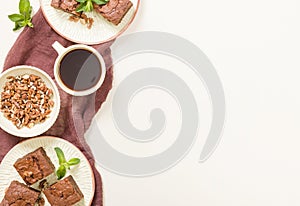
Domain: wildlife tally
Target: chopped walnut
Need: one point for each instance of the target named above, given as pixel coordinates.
(26, 100)
(83, 19)
(74, 18)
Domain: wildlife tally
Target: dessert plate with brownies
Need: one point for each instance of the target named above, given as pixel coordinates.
(29, 175)
(90, 21)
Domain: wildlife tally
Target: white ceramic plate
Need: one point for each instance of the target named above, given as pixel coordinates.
(82, 173)
(101, 31)
(37, 129)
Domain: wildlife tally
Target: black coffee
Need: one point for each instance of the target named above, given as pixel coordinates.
(80, 70)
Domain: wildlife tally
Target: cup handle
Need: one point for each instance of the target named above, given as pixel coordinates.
(58, 47)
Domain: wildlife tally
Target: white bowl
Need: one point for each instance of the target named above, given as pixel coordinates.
(39, 128)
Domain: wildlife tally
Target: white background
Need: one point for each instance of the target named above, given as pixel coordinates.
(255, 47)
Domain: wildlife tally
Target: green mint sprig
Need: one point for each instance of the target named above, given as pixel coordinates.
(24, 17)
(87, 5)
(63, 163)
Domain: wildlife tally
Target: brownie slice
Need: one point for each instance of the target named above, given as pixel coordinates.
(34, 166)
(64, 192)
(66, 5)
(20, 194)
(55, 3)
(114, 10)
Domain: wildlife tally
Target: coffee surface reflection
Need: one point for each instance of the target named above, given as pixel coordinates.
(80, 70)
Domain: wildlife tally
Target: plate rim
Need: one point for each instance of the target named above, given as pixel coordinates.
(66, 141)
(93, 43)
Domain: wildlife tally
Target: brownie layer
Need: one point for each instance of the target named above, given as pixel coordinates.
(34, 166)
(64, 192)
(66, 5)
(114, 10)
(19, 194)
(55, 3)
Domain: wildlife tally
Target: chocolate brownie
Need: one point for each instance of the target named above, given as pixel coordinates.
(66, 5)
(114, 10)
(64, 192)
(34, 166)
(55, 3)
(20, 195)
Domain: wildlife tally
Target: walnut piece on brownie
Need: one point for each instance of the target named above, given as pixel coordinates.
(115, 10)
(20, 194)
(64, 192)
(34, 166)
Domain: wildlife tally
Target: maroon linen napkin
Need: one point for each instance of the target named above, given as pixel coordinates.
(33, 47)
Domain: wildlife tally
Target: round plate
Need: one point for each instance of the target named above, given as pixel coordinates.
(83, 173)
(101, 31)
(40, 128)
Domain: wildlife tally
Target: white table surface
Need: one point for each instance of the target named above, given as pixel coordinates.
(254, 46)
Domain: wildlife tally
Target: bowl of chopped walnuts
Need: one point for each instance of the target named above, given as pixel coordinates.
(29, 101)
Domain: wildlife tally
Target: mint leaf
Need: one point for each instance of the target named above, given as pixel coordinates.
(89, 6)
(61, 172)
(100, 2)
(63, 164)
(73, 161)
(30, 24)
(28, 13)
(81, 7)
(24, 18)
(16, 17)
(24, 7)
(67, 166)
(60, 155)
(17, 27)
(21, 23)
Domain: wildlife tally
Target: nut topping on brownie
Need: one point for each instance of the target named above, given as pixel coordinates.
(64, 192)
(20, 194)
(34, 166)
(114, 10)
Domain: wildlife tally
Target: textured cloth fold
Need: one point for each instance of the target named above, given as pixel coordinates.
(34, 47)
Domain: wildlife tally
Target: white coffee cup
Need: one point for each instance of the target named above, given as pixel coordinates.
(62, 52)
